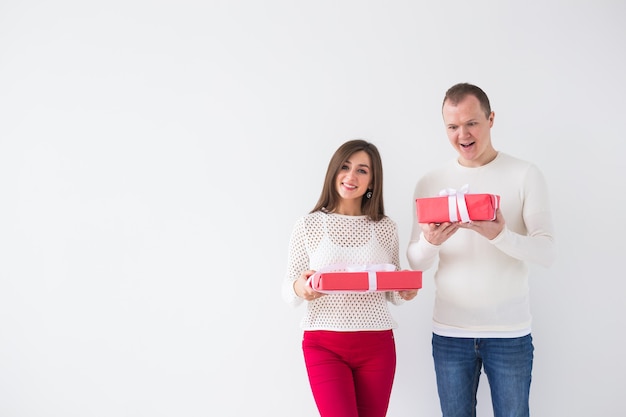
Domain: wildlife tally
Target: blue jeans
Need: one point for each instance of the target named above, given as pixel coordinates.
(507, 363)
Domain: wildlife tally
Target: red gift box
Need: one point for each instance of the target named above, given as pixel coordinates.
(366, 281)
(447, 208)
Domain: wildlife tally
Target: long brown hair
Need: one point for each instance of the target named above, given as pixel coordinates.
(373, 207)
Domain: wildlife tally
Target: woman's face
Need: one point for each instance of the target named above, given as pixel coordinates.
(355, 176)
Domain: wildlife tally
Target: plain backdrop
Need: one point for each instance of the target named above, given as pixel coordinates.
(154, 156)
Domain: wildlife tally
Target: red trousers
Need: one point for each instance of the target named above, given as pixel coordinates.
(351, 373)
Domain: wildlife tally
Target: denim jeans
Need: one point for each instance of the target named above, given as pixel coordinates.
(507, 363)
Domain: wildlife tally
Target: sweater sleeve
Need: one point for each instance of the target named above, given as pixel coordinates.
(538, 246)
(298, 261)
(390, 240)
(420, 253)
(537, 243)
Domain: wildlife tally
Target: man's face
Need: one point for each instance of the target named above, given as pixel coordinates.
(469, 131)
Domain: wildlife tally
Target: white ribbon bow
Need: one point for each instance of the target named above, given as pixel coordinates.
(371, 272)
(456, 198)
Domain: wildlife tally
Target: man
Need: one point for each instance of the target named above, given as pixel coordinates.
(481, 318)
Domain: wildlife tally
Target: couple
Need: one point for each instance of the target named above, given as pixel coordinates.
(481, 318)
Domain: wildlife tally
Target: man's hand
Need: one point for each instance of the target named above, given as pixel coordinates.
(488, 228)
(437, 233)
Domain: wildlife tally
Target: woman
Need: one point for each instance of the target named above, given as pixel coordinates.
(348, 344)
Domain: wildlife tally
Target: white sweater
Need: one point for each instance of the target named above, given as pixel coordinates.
(482, 285)
(321, 239)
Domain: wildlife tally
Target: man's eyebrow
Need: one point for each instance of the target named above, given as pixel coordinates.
(456, 124)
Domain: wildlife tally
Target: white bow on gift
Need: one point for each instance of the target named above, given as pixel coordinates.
(371, 270)
(456, 199)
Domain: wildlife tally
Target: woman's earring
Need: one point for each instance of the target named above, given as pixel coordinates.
(368, 194)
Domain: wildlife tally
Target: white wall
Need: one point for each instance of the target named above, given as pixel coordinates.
(154, 156)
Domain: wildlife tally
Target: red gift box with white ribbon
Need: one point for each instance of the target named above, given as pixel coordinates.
(457, 206)
(370, 278)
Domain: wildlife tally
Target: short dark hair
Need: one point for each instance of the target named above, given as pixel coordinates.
(372, 207)
(458, 92)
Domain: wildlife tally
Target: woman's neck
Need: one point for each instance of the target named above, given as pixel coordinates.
(349, 209)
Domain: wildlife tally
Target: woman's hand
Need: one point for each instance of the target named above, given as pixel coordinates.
(408, 294)
(303, 289)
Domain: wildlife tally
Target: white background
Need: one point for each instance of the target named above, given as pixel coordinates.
(154, 156)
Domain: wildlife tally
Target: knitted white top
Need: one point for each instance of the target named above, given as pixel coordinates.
(482, 285)
(321, 239)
